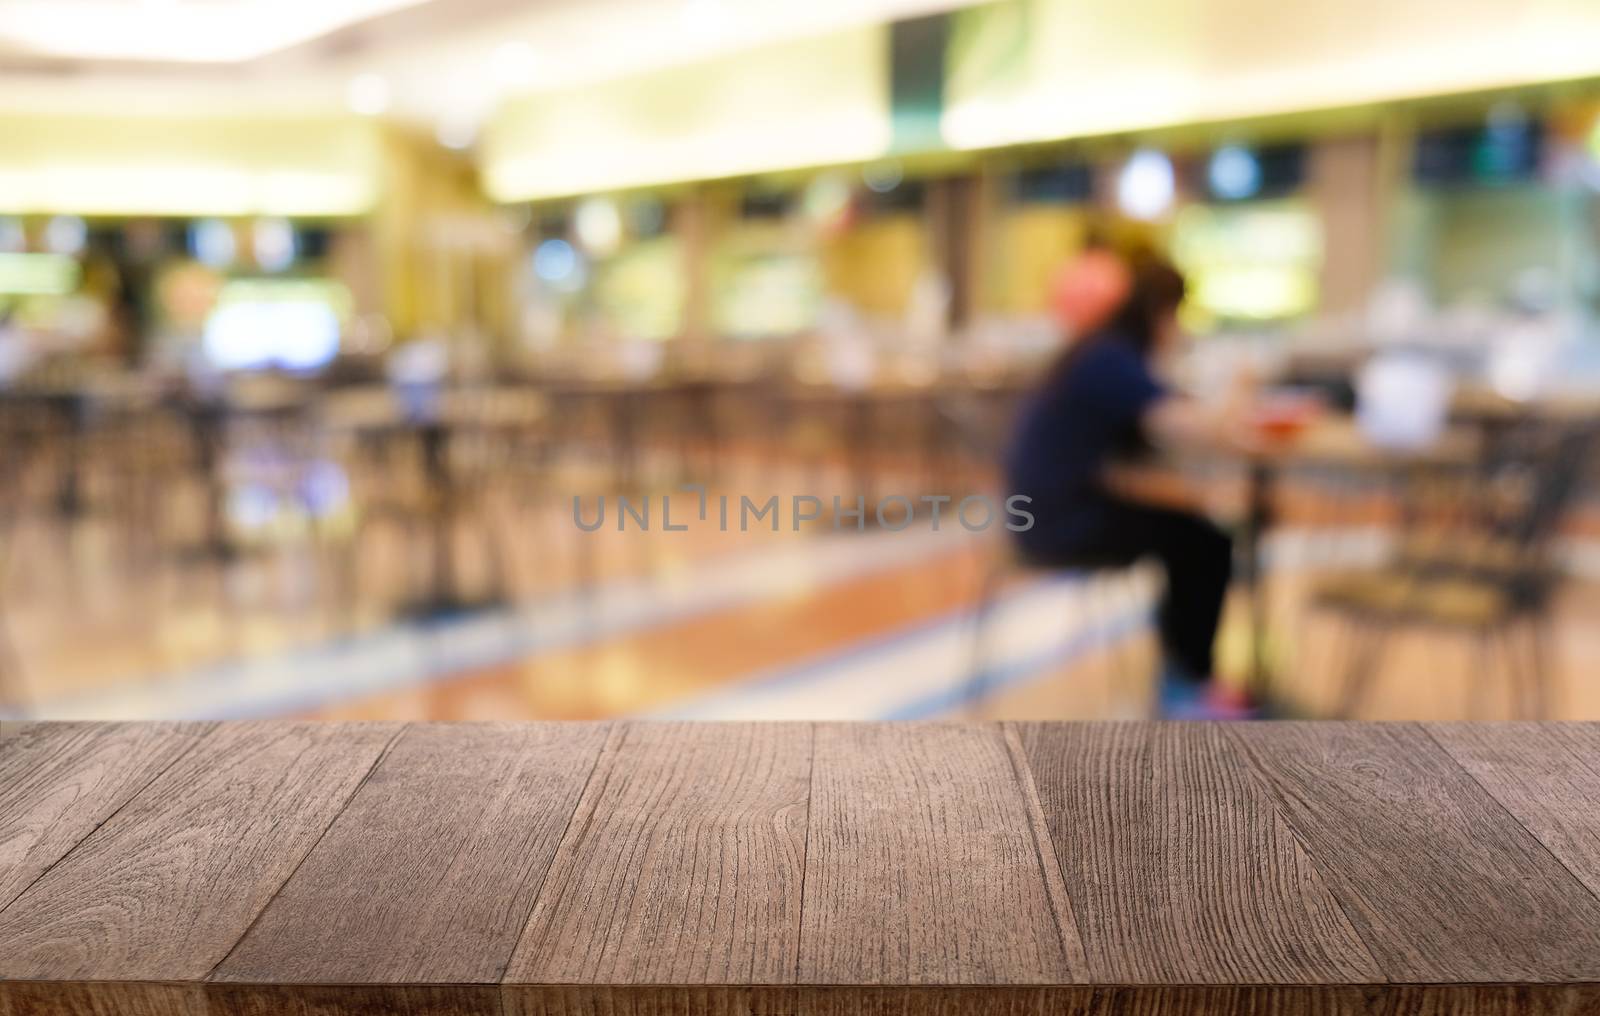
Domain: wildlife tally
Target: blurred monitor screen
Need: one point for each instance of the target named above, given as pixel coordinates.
(1248, 263)
(764, 294)
(290, 324)
(1070, 183)
(766, 204)
(640, 292)
(554, 223)
(1504, 152)
(313, 242)
(904, 196)
(37, 274)
(1244, 173)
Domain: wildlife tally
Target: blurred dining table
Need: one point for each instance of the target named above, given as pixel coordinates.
(1324, 442)
(434, 419)
(69, 411)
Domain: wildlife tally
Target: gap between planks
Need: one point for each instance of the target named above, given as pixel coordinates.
(209, 729)
(1044, 849)
(387, 747)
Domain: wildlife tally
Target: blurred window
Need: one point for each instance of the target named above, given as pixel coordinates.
(1070, 183)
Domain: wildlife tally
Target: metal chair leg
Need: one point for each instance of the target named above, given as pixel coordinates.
(977, 688)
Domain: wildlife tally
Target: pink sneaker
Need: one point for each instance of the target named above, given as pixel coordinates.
(1212, 702)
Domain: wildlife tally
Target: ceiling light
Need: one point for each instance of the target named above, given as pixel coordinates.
(13, 238)
(558, 264)
(1234, 173)
(65, 234)
(1147, 186)
(599, 226)
(212, 242)
(883, 177)
(272, 241)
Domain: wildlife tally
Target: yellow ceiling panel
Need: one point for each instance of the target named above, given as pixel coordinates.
(93, 165)
(801, 103)
(1106, 66)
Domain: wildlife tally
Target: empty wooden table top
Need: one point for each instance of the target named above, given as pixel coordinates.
(641, 868)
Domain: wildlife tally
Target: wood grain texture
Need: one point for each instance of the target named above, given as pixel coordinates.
(43, 998)
(59, 781)
(810, 1000)
(165, 888)
(792, 870)
(1179, 868)
(352, 1000)
(683, 863)
(111, 998)
(34, 998)
(1547, 775)
(1440, 882)
(1338, 1000)
(1059, 1000)
(922, 866)
(430, 873)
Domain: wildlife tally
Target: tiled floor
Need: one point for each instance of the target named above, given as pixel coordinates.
(839, 625)
(107, 621)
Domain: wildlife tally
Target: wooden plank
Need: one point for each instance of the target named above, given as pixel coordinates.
(1179, 868)
(59, 781)
(429, 875)
(165, 888)
(1440, 882)
(1061, 1000)
(923, 866)
(105, 998)
(351, 1000)
(1548, 777)
(1341, 1000)
(893, 870)
(791, 1000)
(683, 863)
(194, 998)
(30, 998)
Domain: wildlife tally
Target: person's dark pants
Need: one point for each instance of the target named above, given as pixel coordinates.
(1196, 556)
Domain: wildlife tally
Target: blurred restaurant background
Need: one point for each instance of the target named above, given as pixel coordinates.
(316, 320)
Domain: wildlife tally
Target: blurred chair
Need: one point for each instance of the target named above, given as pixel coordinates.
(1485, 572)
(979, 432)
(1103, 585)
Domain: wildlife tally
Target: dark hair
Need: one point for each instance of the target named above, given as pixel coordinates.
(1156, 290)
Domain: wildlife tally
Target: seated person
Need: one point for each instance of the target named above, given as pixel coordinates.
(1100, 407)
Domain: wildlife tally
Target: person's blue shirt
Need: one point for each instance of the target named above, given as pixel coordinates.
(1085, 415)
